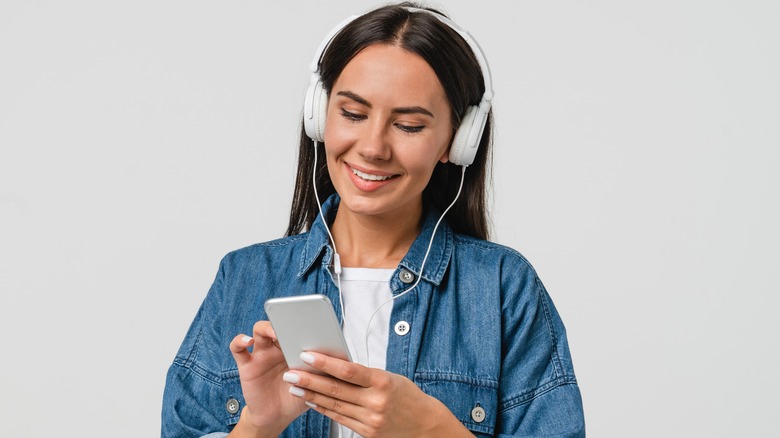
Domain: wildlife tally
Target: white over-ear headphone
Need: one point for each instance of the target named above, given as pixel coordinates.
(466, 140)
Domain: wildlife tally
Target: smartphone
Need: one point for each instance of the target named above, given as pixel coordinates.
(306, 323)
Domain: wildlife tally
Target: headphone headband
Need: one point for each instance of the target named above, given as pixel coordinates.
(487, 77)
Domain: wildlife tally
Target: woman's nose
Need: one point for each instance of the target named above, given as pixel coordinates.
(374, 143)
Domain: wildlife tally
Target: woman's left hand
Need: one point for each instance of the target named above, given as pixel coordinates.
(370, 401)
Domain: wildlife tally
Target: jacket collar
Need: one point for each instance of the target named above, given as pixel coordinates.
(318, 244)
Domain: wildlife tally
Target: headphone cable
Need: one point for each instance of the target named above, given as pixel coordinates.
(336, 257)
(422, 266)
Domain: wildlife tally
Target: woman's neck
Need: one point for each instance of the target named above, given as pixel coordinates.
(374, 241)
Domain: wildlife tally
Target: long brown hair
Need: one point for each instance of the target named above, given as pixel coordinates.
(459, 73)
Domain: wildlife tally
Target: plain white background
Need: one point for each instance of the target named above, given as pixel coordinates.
(636, 166)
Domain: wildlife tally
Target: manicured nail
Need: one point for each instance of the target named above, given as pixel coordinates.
(308, 358)
(310, 404)
(298, 392)
(246, 339)
(291, 377)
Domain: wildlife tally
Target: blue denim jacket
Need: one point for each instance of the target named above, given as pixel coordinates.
(483, 334)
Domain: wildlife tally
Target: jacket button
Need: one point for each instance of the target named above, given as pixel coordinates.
(232, 406)
(478, 414)
(401, 328)
(406, 276)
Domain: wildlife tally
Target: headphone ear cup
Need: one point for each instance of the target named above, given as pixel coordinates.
(461, 153)
(315, 111)
(320, 112)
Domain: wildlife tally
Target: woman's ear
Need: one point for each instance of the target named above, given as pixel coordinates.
(446, 156)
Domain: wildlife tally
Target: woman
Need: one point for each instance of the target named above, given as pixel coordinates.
(452, 335)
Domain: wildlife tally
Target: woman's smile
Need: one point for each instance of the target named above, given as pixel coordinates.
(369, 180)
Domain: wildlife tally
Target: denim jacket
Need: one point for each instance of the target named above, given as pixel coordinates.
(484, 337)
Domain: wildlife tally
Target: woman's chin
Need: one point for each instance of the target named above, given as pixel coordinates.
(374, 206)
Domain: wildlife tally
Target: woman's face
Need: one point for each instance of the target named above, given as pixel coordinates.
(387, 126)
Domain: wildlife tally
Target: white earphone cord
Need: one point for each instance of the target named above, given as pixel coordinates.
(337, 259)
(422, 266)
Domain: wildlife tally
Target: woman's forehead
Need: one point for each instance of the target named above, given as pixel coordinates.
(385, 71)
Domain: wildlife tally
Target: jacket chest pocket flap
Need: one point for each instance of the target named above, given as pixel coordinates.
(473, 401)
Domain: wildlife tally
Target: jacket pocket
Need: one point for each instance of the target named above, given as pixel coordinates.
(473, 401)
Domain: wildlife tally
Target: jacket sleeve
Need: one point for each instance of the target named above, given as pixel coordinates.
(555, 413)
(193, 400)
(539, 392)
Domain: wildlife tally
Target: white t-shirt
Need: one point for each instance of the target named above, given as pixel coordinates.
(364, 290)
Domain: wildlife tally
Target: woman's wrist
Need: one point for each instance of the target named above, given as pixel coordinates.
(246, 428)
(448, 425)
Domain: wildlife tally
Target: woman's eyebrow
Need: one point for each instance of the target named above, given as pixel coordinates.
(403, 110)
(413, 110)
(355, 97)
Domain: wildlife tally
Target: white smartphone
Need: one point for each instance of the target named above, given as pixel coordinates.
(306, 323)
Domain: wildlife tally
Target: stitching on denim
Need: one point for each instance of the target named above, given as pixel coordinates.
(485, 244)
(491, 246)
(205, 373)
(557, 367)
(436, 272)
(414, 301)
(455, 377)
(192, 354)
(307, 261)
(281, 242)
(199, 371)
(284, 241)
(423, 378)
(230, 373)
(512, 402)
(406, 340)
(443, 261)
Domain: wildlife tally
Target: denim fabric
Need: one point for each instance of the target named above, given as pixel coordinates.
(483, 333)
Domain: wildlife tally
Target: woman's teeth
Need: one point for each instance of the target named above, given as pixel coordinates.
(369, 177)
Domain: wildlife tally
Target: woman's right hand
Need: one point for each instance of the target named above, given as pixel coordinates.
(269, 406)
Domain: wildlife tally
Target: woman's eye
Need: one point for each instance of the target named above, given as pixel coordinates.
(352, 116)
(410, 129)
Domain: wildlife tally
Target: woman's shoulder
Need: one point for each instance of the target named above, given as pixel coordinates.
(280, 250)
(275, 243)
(490, 252)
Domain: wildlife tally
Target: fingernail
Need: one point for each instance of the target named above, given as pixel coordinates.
(310, 404)
(298, 392)
(246, 339)
(308, 358)
(291, 377)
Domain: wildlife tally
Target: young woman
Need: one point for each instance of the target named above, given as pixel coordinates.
(451, 335)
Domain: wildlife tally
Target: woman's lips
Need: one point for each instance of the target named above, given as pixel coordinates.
(368, 181)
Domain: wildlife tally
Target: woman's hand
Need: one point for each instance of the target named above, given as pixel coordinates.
(269, 406)
(371, 401)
